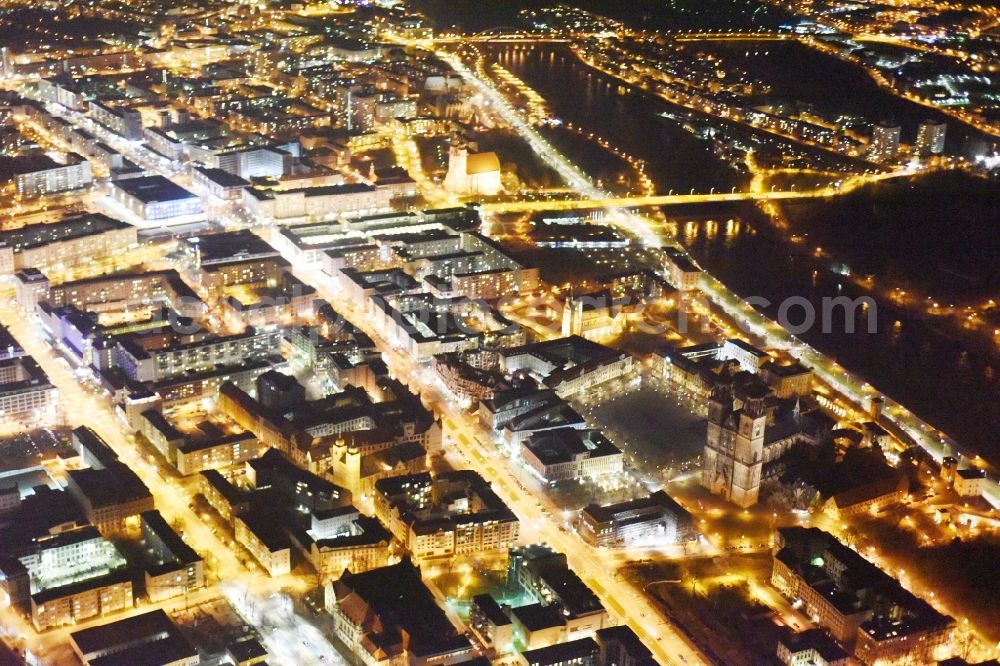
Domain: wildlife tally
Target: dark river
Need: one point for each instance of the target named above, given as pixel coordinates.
(943, 378)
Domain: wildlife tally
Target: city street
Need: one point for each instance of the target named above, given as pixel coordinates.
(85, 406)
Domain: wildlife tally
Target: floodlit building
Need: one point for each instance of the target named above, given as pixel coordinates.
(425, 326)
(787, 381)
(593, 315)
(39, 175)
(569, 454)
(221, 495)
(156, 355)
(110, 494)
(683, 272)
(27, 397)
(545, 577)
(265, 539)
(197, 454)
(30, 287)
(868, 498)
(970, 482)
(814, 647)
(154, 198)
(749, 357)
(347, 434)
(341, 539)
(569, 366)
(125, 122)
(741, 442)
(178, 569)
(56, 560)
(474, 174)
(865, 610)
(64, 244)
(219, 183)
(491, 622)
(123, 290)
(76, 602)
(316, 202)
(655, 519)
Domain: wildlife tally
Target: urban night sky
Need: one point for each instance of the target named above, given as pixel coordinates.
(524, 333)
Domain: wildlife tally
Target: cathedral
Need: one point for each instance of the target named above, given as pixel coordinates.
(476, 174)
(745, 436)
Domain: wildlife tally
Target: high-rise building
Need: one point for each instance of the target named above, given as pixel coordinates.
(885, 142)
(930, 138)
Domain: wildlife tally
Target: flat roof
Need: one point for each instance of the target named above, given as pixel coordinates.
(150, 639)
(536, 617)
(13, 166)
(153, 189)
(52, 593)
(491, 609)
(36, 235)
(245, 650)
(116, 484)
(114, 634)
(172, 649)
(222, 177)
(562, 653)
(267, 529)
(565, 444)
(155, 522)
(232, 245)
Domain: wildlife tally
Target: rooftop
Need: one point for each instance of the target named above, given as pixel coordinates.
(232, 245)
(577, 651)
(566, 444)
(153, 189)
(222, 177)
(36, 235)
(536, 617)
(150, 639)
(394, 599)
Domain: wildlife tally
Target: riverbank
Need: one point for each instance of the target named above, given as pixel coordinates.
(912, 357)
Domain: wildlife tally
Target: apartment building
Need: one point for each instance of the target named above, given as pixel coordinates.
(39, 175)
(64, 244)
(27, 397)
(179, 570)
(451, 514)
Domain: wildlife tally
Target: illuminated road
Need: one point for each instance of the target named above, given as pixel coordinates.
(652, 200)
(541, 38)
(84, 406)
(571, 174)
(829, 371)
(849, 184)
(535, 511)
(773, 335)
(261, 600)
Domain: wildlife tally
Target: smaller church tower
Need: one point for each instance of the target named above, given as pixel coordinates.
(572, 317)
(748, 453)
(716, 471)
(456, 180)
